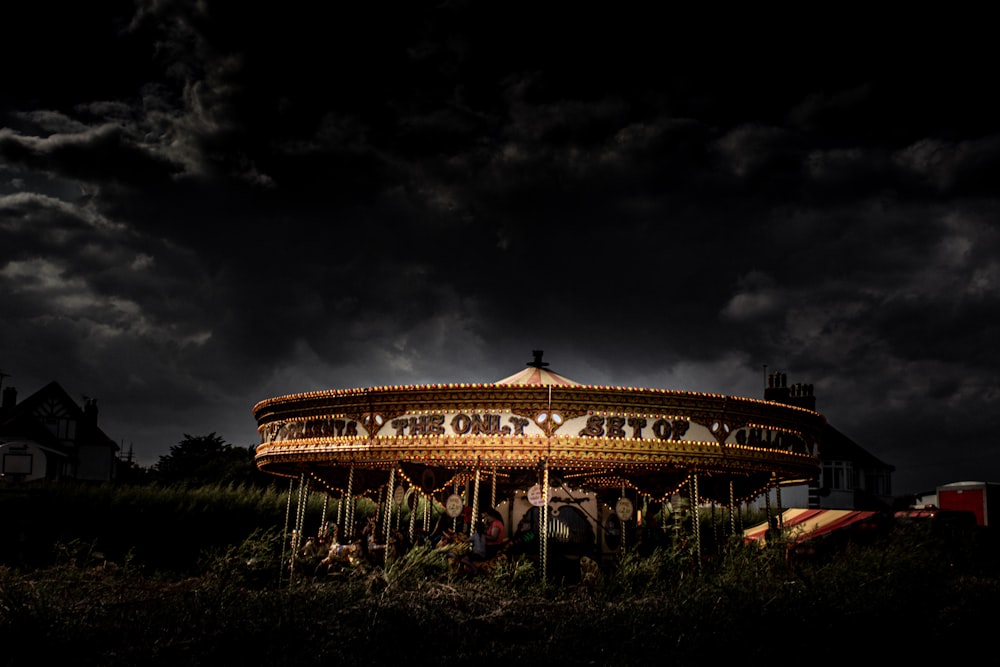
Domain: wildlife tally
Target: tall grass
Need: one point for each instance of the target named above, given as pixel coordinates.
(163, 529)
(897, 595)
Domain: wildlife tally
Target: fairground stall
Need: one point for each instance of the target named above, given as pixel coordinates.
(592, 457)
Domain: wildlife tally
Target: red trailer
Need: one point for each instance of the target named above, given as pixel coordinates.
(980, 498)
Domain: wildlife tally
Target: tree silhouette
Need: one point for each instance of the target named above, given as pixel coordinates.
(207, 459)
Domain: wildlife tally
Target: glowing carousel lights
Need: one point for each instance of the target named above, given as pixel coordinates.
(431, 437)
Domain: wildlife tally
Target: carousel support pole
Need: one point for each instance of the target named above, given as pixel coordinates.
(285, 538)
(352, 511)
(388, 512)
(413, 512)
(380, 511)
(715, 528)
(621, 533)
(543, 543)
(767, 503)
(475, 503)
(428, 500)
(732, 508)
(322, 518)
(300, 510)
(493, 489)
(454, 520)
(349, 509)
(306, 489)
(297, 532)
(695, 520)
(777, 495)
(399, 508)
(678, 521)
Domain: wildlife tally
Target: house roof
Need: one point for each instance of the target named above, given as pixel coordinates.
(21, 420)
(837, 446)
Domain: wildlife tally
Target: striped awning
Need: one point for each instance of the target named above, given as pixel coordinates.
(537, 376)
(806, 524)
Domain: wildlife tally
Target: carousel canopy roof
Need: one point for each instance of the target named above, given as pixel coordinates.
(806, 524)
(537, 374)
(599, 437)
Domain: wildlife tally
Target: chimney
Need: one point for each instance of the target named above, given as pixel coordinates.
(798, 394)
(807, 399)
(90, 411)
(777, 389)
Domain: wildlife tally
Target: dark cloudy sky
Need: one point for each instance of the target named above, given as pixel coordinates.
(205, 204)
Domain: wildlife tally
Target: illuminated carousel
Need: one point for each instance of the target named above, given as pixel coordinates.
(591, 455)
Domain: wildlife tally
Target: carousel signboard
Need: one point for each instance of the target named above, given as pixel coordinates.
(503, 425)
(492, 424)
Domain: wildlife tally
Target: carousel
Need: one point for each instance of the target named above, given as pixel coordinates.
(574, 463)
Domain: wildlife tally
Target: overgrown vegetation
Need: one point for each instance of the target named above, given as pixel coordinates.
(106, 594)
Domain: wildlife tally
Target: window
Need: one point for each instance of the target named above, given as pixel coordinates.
(57, 419)
(879, 482)
(838, 475)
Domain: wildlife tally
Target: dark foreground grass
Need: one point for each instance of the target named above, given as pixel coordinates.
(902, 597)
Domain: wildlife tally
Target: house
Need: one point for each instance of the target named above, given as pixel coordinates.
(851, 478)
(48, 436)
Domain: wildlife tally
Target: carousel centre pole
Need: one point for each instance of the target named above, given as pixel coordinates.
(543, 543)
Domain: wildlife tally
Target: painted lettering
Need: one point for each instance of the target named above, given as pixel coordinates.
(519, 424)
(485, 425)
(460, 424)
(615, 427)
(594, 427)
(662, 429)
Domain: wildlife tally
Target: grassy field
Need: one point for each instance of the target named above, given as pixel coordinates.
(903, 594)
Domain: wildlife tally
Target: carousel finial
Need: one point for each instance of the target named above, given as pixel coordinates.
(538, 363)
